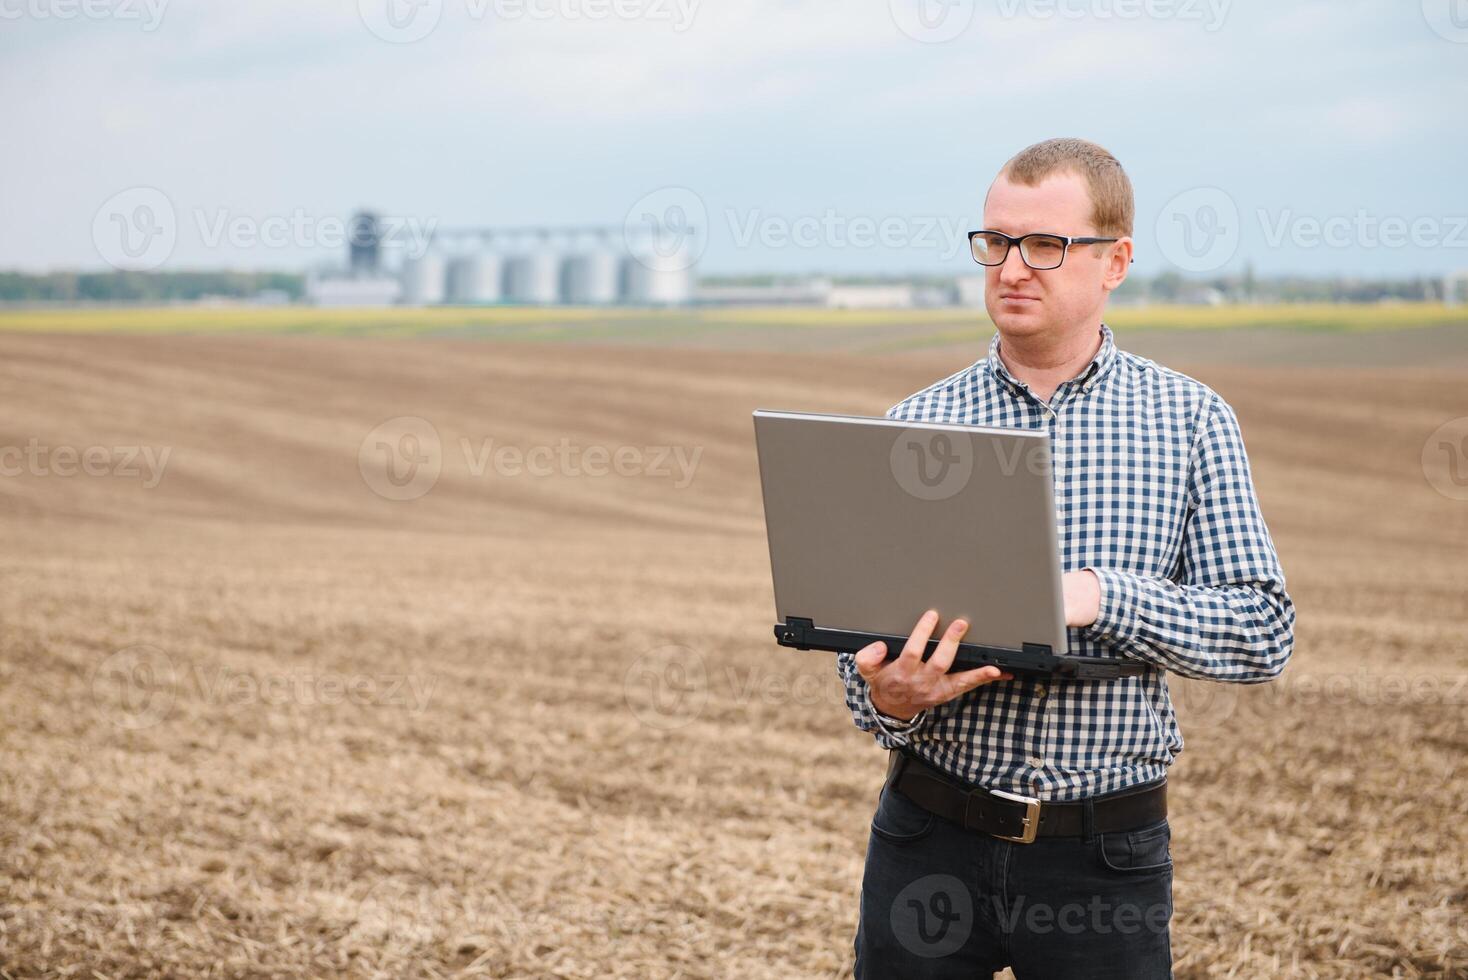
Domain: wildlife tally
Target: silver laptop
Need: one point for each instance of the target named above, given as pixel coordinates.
(873, 521)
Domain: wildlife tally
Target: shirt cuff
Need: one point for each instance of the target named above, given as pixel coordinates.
(1117, 618)
(892, 727)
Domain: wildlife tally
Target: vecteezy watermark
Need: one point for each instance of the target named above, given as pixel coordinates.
(138, 229)
(675, 463)
(1363, 230)
(1198, 230)
(1210, 13)
(1447, 18)
(1207, 705)
(933, 916)
(935, 464)
(671, 686)
(148, 13)
(1445, 459)
(932, 21)
(140, 687)
(945, 234)
(666, 230)
(932, 465)
(666, 687)
(147, 463)
(403, 458)
(135, 229)
(400, 21)
(301, 229)
(135, 686)
(1096, 917)
(394, 909)
(406, 21)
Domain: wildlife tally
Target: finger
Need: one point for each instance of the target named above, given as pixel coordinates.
(942, 657)
(870, 658)
(966, 680)
(912, 652)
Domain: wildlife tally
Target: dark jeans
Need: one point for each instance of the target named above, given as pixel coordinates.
(939, 901)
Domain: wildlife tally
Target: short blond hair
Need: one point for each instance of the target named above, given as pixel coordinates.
(1113, 208)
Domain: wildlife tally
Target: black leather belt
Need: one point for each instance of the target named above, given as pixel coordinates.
(1021, 818)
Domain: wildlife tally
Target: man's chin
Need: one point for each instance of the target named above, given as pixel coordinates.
(1010, 320)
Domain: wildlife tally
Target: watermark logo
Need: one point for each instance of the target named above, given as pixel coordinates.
(674, 463)
(401, 459)
(1363, 230)
(141, 686)
(135, 687)
(148, 12)
(1198, 230)
(301, 229)
(135, 229)
(1445, 459)
(932, 464)
(146, 463)
(666, 230)
(1447, 18)
(1094, 917)
(1203, 705)
(932, 21)
(1210, 13)
(400, 21)
(933, 917)
(944, 234)
(666, 687)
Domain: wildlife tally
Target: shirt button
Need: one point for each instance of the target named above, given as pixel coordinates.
(1036, 761)
(1039, 690)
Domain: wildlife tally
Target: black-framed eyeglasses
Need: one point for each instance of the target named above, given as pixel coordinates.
(1039, 251)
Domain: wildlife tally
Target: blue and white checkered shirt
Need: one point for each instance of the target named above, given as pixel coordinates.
(1153, 493)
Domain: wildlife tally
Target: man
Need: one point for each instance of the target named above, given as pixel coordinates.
(1166, 559)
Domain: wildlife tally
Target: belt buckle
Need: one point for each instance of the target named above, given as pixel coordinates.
(1031, 818)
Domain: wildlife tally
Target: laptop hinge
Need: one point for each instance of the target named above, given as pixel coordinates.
(795, 632)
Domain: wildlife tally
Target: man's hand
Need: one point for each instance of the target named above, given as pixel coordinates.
(907, 685)
(1082, 592)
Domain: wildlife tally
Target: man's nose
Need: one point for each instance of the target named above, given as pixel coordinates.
(1013, 268)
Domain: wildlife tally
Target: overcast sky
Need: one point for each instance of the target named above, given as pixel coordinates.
(839, 135)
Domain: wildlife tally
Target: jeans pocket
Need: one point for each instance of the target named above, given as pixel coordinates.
(899, 820)
(1145, 850)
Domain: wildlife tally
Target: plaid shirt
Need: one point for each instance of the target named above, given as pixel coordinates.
(1153, 493)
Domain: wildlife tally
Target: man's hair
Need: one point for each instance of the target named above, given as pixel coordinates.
(1112, 205)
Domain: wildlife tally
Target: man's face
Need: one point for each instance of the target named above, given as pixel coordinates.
(1023, 301)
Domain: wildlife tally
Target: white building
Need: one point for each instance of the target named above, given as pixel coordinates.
(897, 296)
(347, 290)
(1455, 288)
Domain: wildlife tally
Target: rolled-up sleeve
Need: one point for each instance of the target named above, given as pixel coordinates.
(1225, 615)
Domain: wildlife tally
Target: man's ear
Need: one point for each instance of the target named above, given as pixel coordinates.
(1118, 262)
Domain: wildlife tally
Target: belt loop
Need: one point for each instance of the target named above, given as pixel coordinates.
(1088, 819)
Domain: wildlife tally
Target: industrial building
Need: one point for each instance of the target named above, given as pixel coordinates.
(534, 266)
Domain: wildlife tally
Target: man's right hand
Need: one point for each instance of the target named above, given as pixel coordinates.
(903, 687)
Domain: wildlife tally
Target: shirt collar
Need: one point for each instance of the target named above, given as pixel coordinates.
(1093, 371)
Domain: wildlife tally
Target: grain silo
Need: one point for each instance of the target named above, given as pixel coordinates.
(650, 278)
(423, 280)
(475, 278)
(533, 278)
(590, 277)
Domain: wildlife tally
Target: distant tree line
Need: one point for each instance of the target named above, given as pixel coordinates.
(1173, 287)
(1246, 287)
(145, 287)
(1169, 287)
